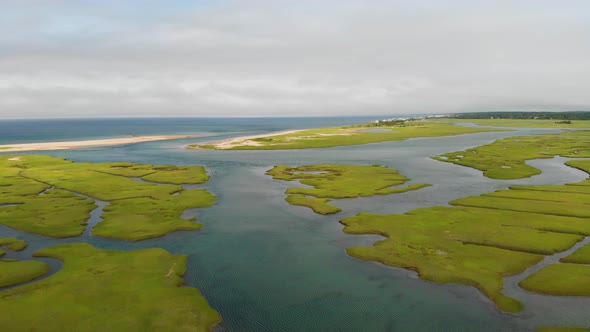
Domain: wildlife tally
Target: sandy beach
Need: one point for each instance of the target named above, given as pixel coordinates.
(67, 145)
(244, 140)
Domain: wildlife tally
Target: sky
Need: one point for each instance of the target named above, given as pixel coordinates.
(216, 58)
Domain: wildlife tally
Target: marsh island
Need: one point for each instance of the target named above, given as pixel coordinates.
(54, 197)
(332, 181)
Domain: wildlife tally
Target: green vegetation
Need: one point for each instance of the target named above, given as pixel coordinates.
(505, 158)
(57, 213)
(14, 272)
(39, 194)
(13, 244)
(481, 239)
(581, 256)
(178, 175)
(159, 173)
(563, 329)
(138, 218)
(342, 136)
(108, 290)
(333, 181)
(318, 205)
(560, 279)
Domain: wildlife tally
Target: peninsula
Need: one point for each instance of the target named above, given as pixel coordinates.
(339, 136)
(68, 145)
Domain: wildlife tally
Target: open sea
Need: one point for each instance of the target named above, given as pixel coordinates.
(268, 266)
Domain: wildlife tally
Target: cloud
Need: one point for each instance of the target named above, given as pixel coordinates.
(285, 58)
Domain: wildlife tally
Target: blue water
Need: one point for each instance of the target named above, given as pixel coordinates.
(268, 266)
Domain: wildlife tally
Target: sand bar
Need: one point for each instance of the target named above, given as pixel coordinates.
(67, 145)
(244, 140)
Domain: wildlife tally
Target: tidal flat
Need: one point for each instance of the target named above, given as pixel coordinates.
(266, 266)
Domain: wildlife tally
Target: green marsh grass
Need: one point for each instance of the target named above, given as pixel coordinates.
(334, 181)
(563, 279)
(479, 240)
(137, 210)
(108, 290)
(13, 244)
(14, 272)
(581, 256)
(505, 158)
(318, 205)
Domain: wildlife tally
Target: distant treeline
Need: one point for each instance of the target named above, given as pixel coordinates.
(525, 115)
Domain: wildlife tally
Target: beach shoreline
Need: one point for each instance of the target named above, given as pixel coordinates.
(243, 140)
(69, 145)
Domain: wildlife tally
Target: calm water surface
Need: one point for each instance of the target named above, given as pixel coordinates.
(268, 266)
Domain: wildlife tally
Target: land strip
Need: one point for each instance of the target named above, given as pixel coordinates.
(338, 136)
(68, 145)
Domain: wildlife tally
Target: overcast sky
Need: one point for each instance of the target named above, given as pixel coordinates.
(106, 58)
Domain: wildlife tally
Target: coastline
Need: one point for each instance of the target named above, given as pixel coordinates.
(244, 140)
(69, 145)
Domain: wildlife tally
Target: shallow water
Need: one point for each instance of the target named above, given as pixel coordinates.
(268, 266)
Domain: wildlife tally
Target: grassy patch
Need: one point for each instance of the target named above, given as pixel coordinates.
(58, 213)
(581, 256)
(318, 205)
(147, 217)
(563, 208)
(560, 279)
(481, 239)
(138, 210)
(505, 158)
(13, 244)
(170, 174)
(333, 181)
(14, 272)
(108, 290)
(344, 136)
(178, 174)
